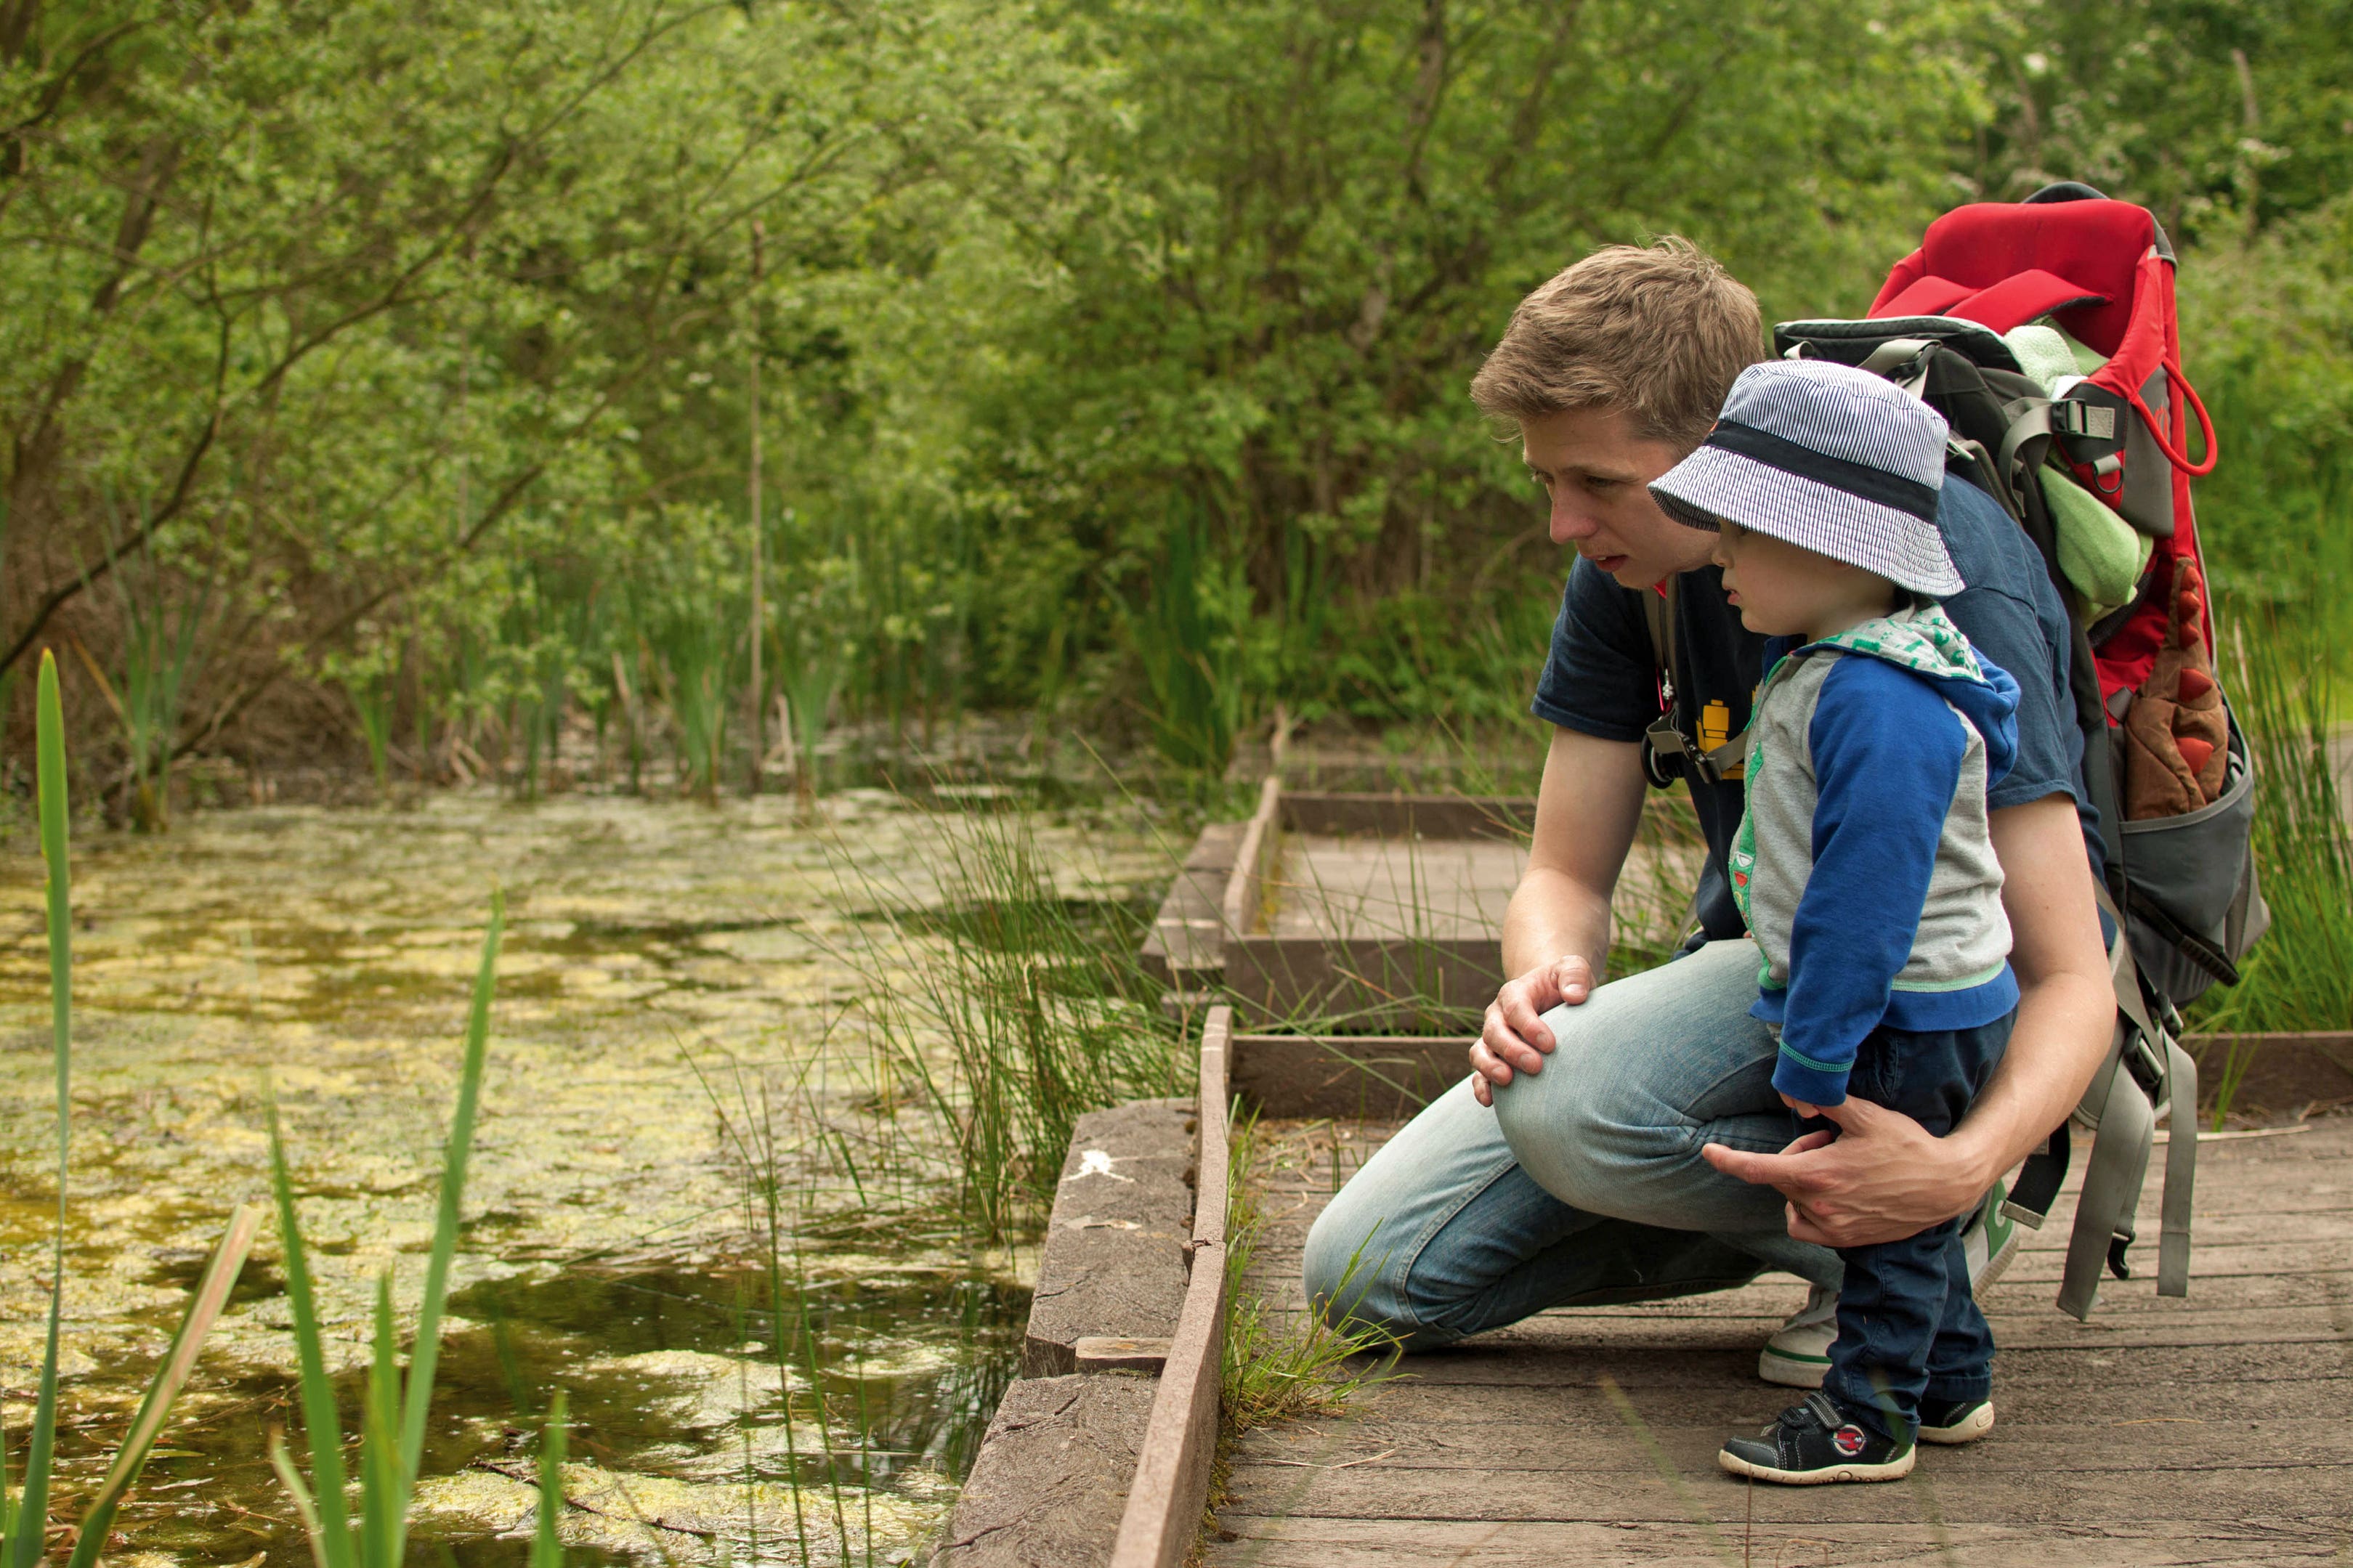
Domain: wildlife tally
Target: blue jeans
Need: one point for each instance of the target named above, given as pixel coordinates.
(1908, 1326)
(1584, 1185)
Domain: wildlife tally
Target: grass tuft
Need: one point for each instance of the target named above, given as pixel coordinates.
(1030, 1015)
(1278, 1365)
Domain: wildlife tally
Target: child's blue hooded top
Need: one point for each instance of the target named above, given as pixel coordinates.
(1864, 863)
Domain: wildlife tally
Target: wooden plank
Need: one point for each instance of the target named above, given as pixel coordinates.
(1403, 890)
(2204, 1430)
(1401, 816)
(1379, 1076)
(2287, 1071)
(1045, 1490)
(1238, 907)
(1385, 1447)
(1963, 1486)
(1171, 1489)
(2045, 1392)
(1185, 947)
(1113, 1259)
(1106, 1353)
(1315, 1543)
(1440, 987)
(2281, 1072)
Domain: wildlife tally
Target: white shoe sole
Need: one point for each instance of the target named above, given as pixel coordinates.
(1792, 1371)
(1998, 1265)
(1967, 1429)
(1893, 1471)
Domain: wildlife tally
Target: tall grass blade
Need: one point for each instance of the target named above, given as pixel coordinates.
(383, 1485)
(426, 1354)
(204, 1309)
(329, 1529)
(30, 1519)
(305, 1508)
(546, 1550)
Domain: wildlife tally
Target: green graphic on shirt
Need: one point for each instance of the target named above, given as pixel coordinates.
(1923, 640)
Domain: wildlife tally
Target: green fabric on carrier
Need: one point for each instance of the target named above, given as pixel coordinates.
(2099, 553)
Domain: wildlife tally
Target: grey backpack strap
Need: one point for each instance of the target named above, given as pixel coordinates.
(1904, 360)
(2181, 1173)
(2145, 1069)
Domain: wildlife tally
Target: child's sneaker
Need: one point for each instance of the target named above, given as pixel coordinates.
(1814, 1444)
(1953, 1421)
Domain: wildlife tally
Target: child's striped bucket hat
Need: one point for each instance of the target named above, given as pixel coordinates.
(1831, 459)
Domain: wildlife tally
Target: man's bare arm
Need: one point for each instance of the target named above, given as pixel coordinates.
(1885, 1178)
(1556, 928)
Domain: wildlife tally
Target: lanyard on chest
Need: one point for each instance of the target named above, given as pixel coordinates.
(1706, 750)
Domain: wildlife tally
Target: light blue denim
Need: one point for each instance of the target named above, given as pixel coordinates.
(1584, 1185)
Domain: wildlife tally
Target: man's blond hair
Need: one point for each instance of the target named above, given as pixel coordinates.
(1660, 330)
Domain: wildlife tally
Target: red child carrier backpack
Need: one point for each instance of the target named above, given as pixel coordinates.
(2044, 331)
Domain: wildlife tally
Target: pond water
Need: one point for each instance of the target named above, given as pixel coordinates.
(675, 1021)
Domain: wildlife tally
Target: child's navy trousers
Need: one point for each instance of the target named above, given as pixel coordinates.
(1907, 1327)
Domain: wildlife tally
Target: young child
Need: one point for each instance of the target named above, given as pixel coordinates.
(1863, 864)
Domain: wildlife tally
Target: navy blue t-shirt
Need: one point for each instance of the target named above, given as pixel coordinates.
(1599, 679)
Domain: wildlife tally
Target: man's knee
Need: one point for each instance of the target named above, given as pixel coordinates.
(1583, 1138)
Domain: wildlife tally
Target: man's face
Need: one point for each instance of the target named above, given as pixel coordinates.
(1597, 471)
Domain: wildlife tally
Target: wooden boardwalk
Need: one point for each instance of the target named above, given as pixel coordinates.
(2213, 1430)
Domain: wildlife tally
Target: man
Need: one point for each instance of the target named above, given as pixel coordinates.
(1632, 1147)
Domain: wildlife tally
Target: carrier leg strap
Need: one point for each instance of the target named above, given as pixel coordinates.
(2038, 1181)
(2181, 1173)
(2111, 1183)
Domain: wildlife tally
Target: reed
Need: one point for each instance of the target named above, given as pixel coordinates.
(159, 661)
(690, 647)
(24, 1514)
(371, 697)
(749, 1123)
(1186, 637)
(1034, 1011)
(809, 683)
(394, 1406)
(2300, 976)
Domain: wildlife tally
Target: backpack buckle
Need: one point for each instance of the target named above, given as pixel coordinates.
(2143, 1060)
(2083, 419)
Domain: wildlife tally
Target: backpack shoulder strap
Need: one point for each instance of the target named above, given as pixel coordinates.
(1659, 613)
(1666, 736)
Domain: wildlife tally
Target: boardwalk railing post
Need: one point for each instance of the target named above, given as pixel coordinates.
(1171, 1487)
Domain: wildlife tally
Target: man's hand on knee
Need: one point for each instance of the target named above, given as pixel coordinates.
(1513, 1039)
(1880, 1177)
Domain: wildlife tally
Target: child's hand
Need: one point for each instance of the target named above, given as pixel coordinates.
(1800, 1107)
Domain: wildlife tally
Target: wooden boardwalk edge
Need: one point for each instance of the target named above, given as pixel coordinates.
(1171, 1489)
(1387, 1077)
(1238, 908)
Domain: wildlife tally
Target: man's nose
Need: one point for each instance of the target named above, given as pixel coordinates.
(1569, 524)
